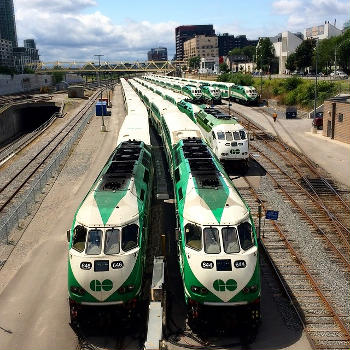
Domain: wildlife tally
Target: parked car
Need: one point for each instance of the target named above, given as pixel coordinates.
(318, 120)
(291, 112)
(339, 74)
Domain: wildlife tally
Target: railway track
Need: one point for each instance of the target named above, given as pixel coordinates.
(312, 258)
(19, 181)
(326, 327)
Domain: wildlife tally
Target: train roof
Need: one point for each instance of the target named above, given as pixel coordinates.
(175, 95)
(114, 199)
(210, 198)
(178, 124)
(135, 125)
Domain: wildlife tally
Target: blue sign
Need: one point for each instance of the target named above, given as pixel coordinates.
(271, 214)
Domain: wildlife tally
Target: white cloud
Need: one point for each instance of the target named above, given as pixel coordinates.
(286, 7)
(311, 12)
(63, 32)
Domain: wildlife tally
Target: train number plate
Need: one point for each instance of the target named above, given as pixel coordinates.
(117, 264)
(207, 264)
(240, 264)
(85, 265)
(101, 265)
(224, 265)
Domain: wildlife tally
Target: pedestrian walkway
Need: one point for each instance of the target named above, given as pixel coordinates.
(332, 155)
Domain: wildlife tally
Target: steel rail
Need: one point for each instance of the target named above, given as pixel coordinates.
(306, 271)
(301, 158)
(82, 111)
(333, 219)
(319, 229)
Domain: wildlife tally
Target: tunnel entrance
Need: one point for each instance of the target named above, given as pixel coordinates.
(19, 120)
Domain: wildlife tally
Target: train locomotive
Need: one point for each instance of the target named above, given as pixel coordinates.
(217, 243)
(108, 236)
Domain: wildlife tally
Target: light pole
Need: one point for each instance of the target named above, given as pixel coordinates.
(103, 127)
(315, 100)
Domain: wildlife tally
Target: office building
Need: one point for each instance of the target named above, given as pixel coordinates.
(227, 42)
(158, 54)
(6, 53)
(324, 31)
(7, 22)
(201, 45)
(183, 33)
(285, 44)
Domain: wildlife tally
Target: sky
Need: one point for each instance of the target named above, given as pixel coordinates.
(125, 30)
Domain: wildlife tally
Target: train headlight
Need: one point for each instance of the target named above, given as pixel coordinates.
(245, 290)
(130, 287)
(199, 290)
(253, 288)
(126, 289)
(77, 290)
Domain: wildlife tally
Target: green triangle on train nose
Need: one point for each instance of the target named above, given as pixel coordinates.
(215, 198)
(107, 201)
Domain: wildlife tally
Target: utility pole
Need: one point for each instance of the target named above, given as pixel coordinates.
(315, 100)
(335, 62)
(103, 127)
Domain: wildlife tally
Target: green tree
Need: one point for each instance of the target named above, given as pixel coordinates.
(57, 76)
(343, 50)
(304, 54)
(236, 52)
(193, 62)
(223, 67)
(290, 62)
(249, 51)
(265, 54)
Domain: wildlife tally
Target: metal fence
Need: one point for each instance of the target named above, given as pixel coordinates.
(23, 209)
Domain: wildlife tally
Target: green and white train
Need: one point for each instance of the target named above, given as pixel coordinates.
(217, 243)
(107, 240)
(238, 93)
(227, 138)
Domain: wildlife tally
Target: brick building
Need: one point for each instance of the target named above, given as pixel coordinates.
(336, 118)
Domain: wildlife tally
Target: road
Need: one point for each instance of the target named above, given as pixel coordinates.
(33, 281)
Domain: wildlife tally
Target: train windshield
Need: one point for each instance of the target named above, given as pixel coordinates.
(112, 241)
(79, 238)
(211, 240)
(242, 134)
(245, 235)
(221, 135)
(230, 240)
(193, 235)
(130, 237)
(94, 242)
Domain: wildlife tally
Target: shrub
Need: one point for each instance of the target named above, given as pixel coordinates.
(290, 84)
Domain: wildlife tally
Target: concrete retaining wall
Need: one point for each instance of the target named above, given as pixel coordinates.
(24, 117)
(23, 83)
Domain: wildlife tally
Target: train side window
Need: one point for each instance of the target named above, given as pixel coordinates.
(130, 237)
(211, 240)
(112, 241)
(180, 193)
(79, 238)
(94, 242)
(242, 134)
(230, 240)
(142, 194)
(245, 235)
(177, 174)
(193, 236)
(213, 133)
(221, 135)
(146, 176)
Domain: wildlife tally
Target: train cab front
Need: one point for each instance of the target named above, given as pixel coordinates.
(221, 273)
(104, 269)
(230, 144)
